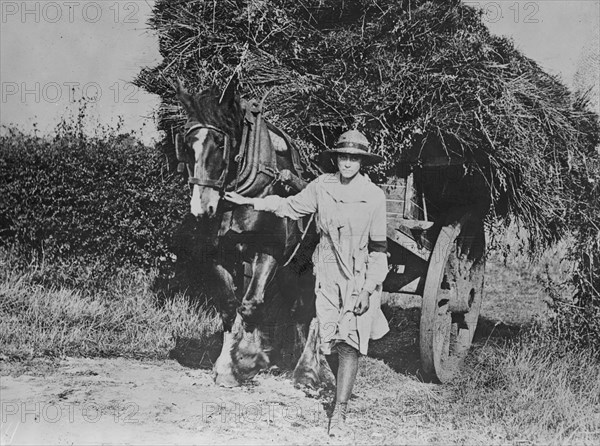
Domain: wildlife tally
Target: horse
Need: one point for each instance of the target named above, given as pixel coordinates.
(258, 273)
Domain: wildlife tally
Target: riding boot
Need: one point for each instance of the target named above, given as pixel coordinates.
(346, 376)
(334, 363)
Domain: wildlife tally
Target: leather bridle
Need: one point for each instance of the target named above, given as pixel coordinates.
(200, 175)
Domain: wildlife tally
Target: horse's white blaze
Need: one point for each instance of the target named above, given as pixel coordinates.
(197, 145)
(195, 206)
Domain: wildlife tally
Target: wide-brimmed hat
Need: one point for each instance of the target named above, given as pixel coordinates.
(353, 142)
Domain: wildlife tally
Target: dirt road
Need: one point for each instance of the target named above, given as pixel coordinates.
(121, 401)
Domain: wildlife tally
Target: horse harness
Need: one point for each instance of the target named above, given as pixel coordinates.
(249, 163)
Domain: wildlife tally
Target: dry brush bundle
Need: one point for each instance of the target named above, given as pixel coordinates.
(407, 73)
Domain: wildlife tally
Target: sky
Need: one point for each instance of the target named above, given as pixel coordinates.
(53, 53)
(562, 36)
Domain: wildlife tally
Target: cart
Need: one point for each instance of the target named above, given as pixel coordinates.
(436, 250)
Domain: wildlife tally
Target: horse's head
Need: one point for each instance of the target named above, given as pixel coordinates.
(211, 139)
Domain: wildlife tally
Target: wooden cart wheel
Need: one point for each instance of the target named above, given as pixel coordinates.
(452, 297)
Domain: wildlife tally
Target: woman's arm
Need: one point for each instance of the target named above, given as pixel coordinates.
(294, 207)
(377, 265)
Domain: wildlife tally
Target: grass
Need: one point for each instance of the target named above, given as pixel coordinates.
(532, 390)
(529, 284)
(526, 388)
(52, 320)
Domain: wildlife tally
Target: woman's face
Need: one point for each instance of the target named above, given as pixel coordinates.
(348, 165)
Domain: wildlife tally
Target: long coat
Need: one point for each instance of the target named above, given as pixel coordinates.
(351, 255)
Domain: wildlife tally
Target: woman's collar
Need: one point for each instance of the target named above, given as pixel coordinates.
(353, 192)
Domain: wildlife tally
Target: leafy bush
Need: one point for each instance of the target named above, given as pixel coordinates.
(105, 200)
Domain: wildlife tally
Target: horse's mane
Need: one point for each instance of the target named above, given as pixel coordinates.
(227, 116)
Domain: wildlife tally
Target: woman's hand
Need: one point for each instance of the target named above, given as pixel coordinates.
(236, 198)
(362, 303)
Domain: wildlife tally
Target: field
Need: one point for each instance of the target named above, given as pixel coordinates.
(87, 367)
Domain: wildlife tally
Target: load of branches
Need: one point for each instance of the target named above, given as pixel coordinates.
(411, 74)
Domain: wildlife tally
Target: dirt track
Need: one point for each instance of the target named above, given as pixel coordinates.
(83, 401)
(121, 401)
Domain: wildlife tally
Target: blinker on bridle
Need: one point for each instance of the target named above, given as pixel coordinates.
(200, 176)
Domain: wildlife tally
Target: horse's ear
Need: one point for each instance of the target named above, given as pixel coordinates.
(228, 96)
(184, 97)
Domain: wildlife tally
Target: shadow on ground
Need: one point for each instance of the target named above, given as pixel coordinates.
(493, 330)
(195, 353)
(399, 349)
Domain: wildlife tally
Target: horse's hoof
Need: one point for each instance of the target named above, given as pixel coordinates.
(305, 375)
(226, 380)
(309, 380)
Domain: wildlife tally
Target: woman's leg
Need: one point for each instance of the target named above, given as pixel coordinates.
(346, 376)
(334, 363)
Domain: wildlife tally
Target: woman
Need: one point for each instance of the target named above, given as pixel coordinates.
(350, 260)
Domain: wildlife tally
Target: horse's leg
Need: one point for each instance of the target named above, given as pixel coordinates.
(249, 352)
(264, 266)
(223, 369)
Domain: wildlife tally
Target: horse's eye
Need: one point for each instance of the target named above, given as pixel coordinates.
(220, 139)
